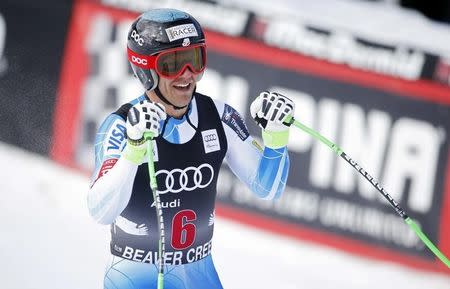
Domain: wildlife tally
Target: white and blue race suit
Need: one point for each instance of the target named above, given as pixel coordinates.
(188, 155)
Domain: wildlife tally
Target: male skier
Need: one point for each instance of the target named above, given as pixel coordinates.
(193, 134)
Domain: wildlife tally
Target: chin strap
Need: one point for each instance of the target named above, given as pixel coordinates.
(161, 96)
(186, 113)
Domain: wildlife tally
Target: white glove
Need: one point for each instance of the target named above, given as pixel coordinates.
(270, 110)
(144, 117)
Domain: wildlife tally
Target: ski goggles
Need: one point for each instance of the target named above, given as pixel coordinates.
(171, 63)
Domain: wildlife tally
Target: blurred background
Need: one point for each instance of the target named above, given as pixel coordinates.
(373, 76)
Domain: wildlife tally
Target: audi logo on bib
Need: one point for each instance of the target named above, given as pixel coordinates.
(210, 137)
(187, 179)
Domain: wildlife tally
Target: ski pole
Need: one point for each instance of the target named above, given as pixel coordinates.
(154, 186)
(338, 151)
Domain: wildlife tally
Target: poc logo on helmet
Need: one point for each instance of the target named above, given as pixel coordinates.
(139, 40)
(138, 60)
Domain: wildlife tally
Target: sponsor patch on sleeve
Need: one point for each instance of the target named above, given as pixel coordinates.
(234, 120)
(106, 166)
(115, 139)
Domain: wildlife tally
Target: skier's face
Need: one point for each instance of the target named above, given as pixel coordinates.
(178, 90)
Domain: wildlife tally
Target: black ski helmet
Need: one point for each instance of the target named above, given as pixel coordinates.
(157, 30)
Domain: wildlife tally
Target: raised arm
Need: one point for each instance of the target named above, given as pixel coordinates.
(263, 170)
(119, 149)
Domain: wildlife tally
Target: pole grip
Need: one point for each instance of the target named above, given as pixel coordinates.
(151, 165)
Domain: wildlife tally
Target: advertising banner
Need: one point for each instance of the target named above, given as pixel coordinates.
(354, 49)
(342, 47)
(403, 142)
(398, 130)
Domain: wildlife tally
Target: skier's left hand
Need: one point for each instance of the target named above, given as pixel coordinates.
(270, 110)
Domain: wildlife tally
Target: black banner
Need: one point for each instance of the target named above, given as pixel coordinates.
(32, 35)
(343, 47)
(400, 141)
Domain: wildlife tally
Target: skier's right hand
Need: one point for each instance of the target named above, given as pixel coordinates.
(142, 118)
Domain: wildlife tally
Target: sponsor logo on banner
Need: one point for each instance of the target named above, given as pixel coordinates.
(340, 47)
(181, 31)
(211, 141)
(233, 119)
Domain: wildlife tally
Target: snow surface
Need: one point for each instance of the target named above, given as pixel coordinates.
(49, 241)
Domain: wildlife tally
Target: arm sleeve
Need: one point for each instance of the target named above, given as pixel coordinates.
(263, 170)
(113, 177)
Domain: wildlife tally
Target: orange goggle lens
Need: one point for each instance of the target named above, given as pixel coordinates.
(173, 63)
